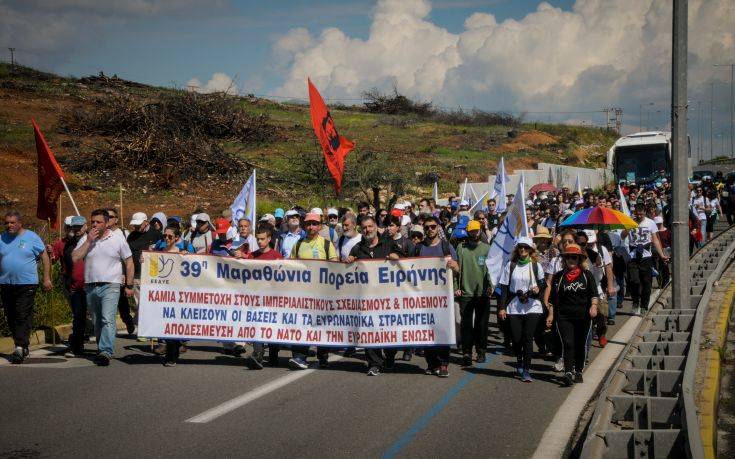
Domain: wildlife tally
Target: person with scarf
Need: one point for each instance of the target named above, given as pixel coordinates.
(522, 284)
(574, 301)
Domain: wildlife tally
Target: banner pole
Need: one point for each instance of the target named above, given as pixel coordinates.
(71, 198)
(120, 214)
(49, 294)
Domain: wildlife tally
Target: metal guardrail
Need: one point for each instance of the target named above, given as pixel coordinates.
(641, 410)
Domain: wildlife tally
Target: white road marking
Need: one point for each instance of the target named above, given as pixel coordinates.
(560, 429)
(253, 395)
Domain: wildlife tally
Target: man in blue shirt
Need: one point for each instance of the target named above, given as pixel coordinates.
(20, 250)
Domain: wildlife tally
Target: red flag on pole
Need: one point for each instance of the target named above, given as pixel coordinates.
(50, 180)
(334, 146)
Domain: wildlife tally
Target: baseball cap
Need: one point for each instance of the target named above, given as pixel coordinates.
(67, 220)
(332, 211)
(525, 241)
(292, 213)
(77, 220)
(138, 218)
(396, 212)
(417, 229)
(317, 210)
(473, 225)
(313, 217)
(459, 233)
(278, 213)
(267, 218)
(464, 202)
(203, 217)
(222, 226)
(400, 206)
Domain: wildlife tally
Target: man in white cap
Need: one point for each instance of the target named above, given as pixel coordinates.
(332, 229)
(464, 205)
(288, 240)
(204, 235)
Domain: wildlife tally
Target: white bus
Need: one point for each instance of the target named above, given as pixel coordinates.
(640, 156)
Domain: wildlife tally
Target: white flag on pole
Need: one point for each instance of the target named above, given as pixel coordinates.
(514, 226)
(244, 204)
(623, 203)
(578, 185)
(499, 192)
(436, 191)
(464, 190)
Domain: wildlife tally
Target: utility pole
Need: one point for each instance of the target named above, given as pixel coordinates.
(732, 107)
(680, 190)
(618, 120)
(12, 57)
(699, 130)
(711, 115)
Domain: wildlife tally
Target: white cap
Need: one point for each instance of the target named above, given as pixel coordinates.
(317, 210)
(400, 206)
(204, 217)
(291, 213)
(417, 229)
(67, 220)
(406, 220)
(591, 236)
(332, 211)
(138, 218)
(659, 220)
(231, 233)
(267, 218)
(464, 202)
(526, 241)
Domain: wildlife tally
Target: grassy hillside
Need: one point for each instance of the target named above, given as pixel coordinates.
(401, 154)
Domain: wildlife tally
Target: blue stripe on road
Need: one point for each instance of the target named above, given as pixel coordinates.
(424, 420)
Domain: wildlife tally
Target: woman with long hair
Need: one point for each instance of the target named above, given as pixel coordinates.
(574, 301)
(522, 284)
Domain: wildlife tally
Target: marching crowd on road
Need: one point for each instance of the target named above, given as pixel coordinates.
(559, 290)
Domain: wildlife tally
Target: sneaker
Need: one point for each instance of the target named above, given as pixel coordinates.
(70, 354)
(390, 362)
(255, 364)
(568, 379)
(443, 371)
(637, 311)
(559, 365)
(407, 356)
(324, 362)
(297, 364)
(431, 371)
(238, 350)
(526, 376)
(481, 357)
(17, 357)
(611, 321)
(519, 368)
(467, 360)
(602, 341)
(169, 363)
(130, 329)
(373, 371)
(578, 378)
(102, 360)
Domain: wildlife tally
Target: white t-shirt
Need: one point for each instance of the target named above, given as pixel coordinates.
(698, 205)
(715, 204)
(598, 269)
(640, 239)
(102, 263)
(347, 245)
(523, 280)
(554, 266)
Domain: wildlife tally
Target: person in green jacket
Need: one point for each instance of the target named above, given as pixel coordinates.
(473, 294)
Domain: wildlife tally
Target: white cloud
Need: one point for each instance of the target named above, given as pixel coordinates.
(220, 82)
(601, 53)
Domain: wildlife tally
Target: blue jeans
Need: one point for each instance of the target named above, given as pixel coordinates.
(102, 301)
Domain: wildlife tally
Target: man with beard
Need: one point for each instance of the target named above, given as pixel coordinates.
(374, 247)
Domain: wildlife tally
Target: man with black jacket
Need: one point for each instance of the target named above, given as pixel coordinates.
(373, 247)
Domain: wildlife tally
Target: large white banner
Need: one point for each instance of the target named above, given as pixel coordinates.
(372, 303)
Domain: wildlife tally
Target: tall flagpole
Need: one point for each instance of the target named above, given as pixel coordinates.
(120, 214)
(71, 198)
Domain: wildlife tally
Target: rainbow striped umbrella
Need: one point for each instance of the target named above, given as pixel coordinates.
(599, 218)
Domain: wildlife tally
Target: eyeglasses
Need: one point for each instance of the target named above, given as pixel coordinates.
(312, 223)
(430, 227)
(201, 222)
(169, 236)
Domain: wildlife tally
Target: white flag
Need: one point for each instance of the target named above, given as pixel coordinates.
(499, 192)
(514, 226)
(464, 190)
(436, 191)
(578, 186)
(623, 203)
(244, 204)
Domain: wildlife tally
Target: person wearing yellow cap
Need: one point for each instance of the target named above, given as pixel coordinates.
(473, 294)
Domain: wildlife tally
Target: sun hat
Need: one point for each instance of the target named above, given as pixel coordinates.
(138, 218)
(574, 250)
(474, 225)
(542, 233)
(524, 240)
(313, 217)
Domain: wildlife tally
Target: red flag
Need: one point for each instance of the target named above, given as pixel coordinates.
(50, 178)
(334, 146)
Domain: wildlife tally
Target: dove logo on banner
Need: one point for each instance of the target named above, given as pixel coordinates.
(514, 226)
(244, 204)
(160, 267)
(499, 192)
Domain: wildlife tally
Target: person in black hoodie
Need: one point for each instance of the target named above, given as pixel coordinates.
(574, 301)
(373, 247)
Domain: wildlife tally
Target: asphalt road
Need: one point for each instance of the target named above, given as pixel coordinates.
(52, 406)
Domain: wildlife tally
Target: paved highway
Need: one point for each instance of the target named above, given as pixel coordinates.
(52, 406)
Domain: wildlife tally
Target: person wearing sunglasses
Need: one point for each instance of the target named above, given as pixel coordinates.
(573, 302)
(312, 247)
(437, 357)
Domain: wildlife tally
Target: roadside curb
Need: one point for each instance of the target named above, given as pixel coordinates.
(710, 392)
(39, 338)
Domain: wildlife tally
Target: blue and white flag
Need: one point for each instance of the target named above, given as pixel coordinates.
(499, 192)
(514, 226)
(244, 205)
